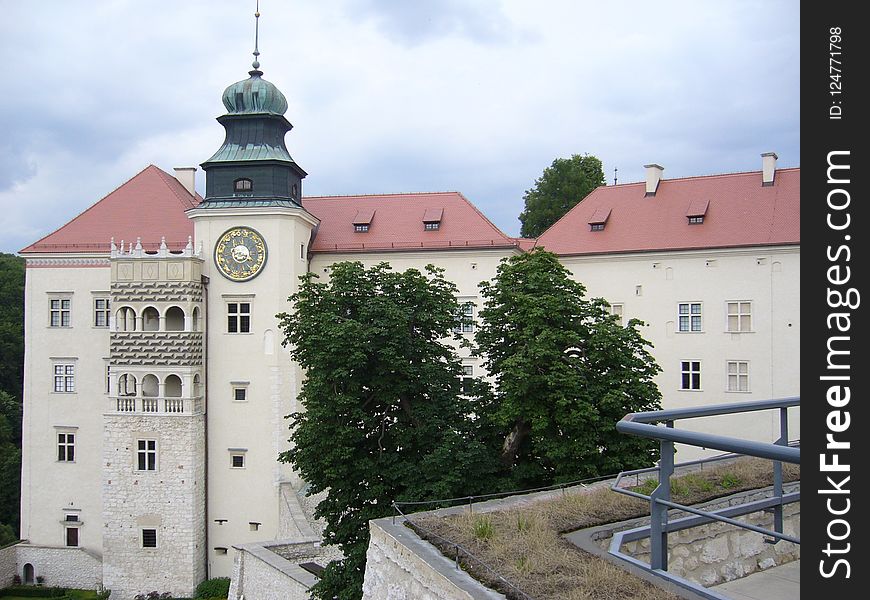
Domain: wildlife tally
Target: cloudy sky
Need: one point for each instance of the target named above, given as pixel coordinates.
(477, 96)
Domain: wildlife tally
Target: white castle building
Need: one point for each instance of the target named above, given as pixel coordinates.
(156, 386)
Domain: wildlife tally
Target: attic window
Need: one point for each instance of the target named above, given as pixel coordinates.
(599, 218)
(696, 211)
(243, 185)
(432, 219)
(363, 220)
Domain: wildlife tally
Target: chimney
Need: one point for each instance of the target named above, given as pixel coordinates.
(186, 176)
(653, 176)
(768, 168)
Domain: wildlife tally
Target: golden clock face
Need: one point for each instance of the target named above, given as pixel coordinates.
(240, 254)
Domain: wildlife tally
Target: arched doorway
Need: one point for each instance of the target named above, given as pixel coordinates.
(28, 573)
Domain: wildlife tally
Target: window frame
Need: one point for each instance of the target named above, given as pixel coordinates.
(240, 188)
(361, 227)
(66, 448)
(63, 376)
(690, 317)
(465, 317)
(142, 543)
(738, 376)
(431, 225)
(617, 309)
(739, 315)
(466, 379)
(693, 372)
(143, 454)
(236, 323)
(238, 453)
(104, 311)
(62, 310)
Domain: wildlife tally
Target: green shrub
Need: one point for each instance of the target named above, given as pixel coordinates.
(218, 587)
(30, 591)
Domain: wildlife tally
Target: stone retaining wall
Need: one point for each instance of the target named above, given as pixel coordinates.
(261, 573)
(8, 566)
(401, 566)
(61, 566)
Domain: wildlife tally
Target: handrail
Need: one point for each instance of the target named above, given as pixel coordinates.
(640, 424)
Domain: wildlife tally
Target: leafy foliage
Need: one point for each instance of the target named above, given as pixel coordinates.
(11, 373)
(216, 587)
(383, 416)
(562, 185)
(559, 413)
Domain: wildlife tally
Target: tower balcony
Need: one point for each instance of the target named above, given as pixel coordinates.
(150, 405)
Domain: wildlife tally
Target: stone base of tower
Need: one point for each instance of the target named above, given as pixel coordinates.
(154, 519)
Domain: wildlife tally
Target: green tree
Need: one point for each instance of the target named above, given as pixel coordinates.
(11, 372)
(11, 323)
(562, 185)
(383, 417)
(559, 412)
(10, 459)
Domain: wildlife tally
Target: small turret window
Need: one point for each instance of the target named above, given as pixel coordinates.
(243, 185)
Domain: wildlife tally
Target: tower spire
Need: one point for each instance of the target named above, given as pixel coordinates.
(256, 63)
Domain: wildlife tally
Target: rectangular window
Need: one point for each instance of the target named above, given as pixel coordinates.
(434, 226)
(237, 461)
(149, 538)
(66, 447)
(361, 227)
(240, 394)
(689, 316)
(738, 376)
(465, 318)
(467, 378)
(596, 227)
(254, 526)
(59, 312)
(739, 317)
(101, 312)
(146, 455)
(64, 378)
(617, 311)
(72, 537)
(238, 317)
(690, 375)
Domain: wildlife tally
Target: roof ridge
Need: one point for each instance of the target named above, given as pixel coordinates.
(688, 177)
(329, 196)
(484, 217)
(172, 183)
(89, 208)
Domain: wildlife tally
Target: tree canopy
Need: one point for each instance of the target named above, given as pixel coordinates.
(11, 374)
(562, 185)
(559, 412)
(383, 416)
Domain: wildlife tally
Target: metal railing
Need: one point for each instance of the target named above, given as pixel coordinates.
(644, 425)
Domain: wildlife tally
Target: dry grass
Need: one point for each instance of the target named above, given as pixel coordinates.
(525, 546)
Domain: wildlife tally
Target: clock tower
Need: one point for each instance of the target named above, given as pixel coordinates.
(254, 234)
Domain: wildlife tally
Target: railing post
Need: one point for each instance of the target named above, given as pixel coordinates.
(659, 512)
(777, 472)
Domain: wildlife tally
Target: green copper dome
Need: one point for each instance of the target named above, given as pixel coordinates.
(254, 95)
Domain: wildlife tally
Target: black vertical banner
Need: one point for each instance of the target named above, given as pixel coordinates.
(835, 359)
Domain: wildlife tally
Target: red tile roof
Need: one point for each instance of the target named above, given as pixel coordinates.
(739, 212)
(151, 205)
(397, 223)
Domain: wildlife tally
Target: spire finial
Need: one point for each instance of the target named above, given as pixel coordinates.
(256, 63)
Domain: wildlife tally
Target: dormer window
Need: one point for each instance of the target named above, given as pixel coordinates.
(599, 218)
(363, 220)
(243, 185)
(432, 219)
(697, 211)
